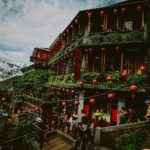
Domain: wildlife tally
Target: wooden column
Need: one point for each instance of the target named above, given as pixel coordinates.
(142, 19)
(121, 65)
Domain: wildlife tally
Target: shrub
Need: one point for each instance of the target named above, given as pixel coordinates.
(131, 141)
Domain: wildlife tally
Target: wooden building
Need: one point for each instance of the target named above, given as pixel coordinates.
(102, 59)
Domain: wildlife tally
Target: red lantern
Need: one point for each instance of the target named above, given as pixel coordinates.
(98, 92)
(139, 8)
(102, 13)
(133, 88)
(111, 96)
(117, 48)
(123, 10)
(63, 89)
(67, 90)
(76, 103)
(81, 83)
(92, 100)
(103, 49)
(90, 14)
(71, 54)
(143, 69)
(72, 26)
(124, 74)
(72, 91)
(76, 21)
(37, 109)
(84, 91)
(63, 104)
(67, 30)
(90, 50)
(64, 34)
(94, 81)
(109, 78)
(115, 11)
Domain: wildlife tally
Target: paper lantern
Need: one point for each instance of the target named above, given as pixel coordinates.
(139, 8)
(117, 48)
(76, 21)
(76, 103)
(98, 92)
(92, 100)
(84, 91)
(90, 50)
(124, 74)
(133, 88)
(67, 30)
(94, 81)
(103, 49)
(123, 10)
(143, 69)
(72, 26)
(111, 96)
(72, 91)
(115, 11)
(109, 78)
(63, 104)
(90, 14)
(81, 83)
(102, 13)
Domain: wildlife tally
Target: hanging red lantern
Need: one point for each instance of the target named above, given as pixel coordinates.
(37, 109)
(98, 92)
(94, 81)
(117, 48)
(63, 89)
(63, 104)
(133, 88)
(102, 13)
(110, 96)
(71, 54)
(72, 26)
(139, 8)
(143, 69)
(124, 74)
(109, 78)
(103, 49)
(92, 101)
(115, 11)
(72, 91)
(67, 31)
(81, 83)
(67, 90)
(76, 103)
(64, 34)
(76, 21)
(84, 91)
(123, 10)
(90, 50)
(90, 14)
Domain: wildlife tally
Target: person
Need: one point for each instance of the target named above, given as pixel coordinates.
(147, 102)
(123, 116)
(131, 115)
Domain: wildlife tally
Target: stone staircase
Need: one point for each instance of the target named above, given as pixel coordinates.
(57, 143)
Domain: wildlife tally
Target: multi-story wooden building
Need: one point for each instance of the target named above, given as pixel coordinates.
(102, 59)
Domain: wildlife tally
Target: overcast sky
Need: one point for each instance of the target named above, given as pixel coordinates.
(25, 24)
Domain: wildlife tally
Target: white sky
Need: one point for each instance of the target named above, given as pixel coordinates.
(25, 24)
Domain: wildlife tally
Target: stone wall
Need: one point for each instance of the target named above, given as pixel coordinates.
(107, 136)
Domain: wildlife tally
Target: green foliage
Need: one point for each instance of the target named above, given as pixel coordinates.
(113, 37)
(89, 76)
(135, 36)
(131, 141)
(61, 79)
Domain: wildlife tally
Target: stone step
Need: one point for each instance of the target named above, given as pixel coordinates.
(57, 143)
